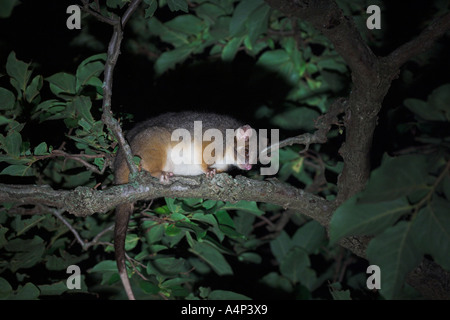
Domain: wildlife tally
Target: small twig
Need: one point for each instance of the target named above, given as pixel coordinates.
(270, 224)
(133, 262)
(323, 126)
(422, 42)
(84, 244)
(58, 214)
(86, 8)
(78, 158)
(319, 178)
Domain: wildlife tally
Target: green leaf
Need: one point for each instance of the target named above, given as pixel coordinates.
(243, 205)
(276, 281)
(18, 170)
(257, 23)
(28, 292)
(302, 118)
(3, 241)
(310, 236)
(82, 105)
(212, 257)
(62, 83)
(332, 63)
(231, 48)
(210, 13)
(177, 5)
(48, 105)
(28, 252)
(294, 264)
(250, 257)
(6, 7)
(116, 3)
(439, 100)
(131, 241)
(33, 89)
(54, 289)
(353, 218)
(152, 6)
(395, 252)
(423, 110)
(173, 205)
(41, 149)
(169, 59)
(7, 99)
(18, 70)
(397, 177)
(4, 120)
(22, 225)
(244, 222)
(167, 266)
(13, 143)
(226, 295)
(86, 72)
(281, 62)
(177, 39)
(337, 293)
(280, 246)
(431, 230)
(148, 287)
(208, 218)
(186, 23)
(224, 218)
(105, 266)
(6, 290)
(60, 263)
(13, 160)
(241, 16)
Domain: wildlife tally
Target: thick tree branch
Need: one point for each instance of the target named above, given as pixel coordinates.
(372, 79)
(367, 94)
(85, 201)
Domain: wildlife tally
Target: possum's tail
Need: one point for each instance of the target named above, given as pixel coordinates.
(123, 213)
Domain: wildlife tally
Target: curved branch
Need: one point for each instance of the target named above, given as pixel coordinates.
(85, 201)
(111, 60)
(422, 42)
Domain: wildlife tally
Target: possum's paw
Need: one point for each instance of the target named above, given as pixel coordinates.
(211, 172)
(165, 176)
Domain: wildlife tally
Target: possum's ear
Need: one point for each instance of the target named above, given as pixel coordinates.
(244, 132)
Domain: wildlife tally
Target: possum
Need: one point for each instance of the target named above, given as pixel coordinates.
(153, 142)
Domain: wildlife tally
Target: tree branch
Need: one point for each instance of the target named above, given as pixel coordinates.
(85, 201)
(421, 43)
(372, 79)
(323, 126)
(86, 8)
(111, 60)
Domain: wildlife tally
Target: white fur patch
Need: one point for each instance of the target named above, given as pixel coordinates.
(185, 168)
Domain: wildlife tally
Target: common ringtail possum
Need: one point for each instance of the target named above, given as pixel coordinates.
(151, 141)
